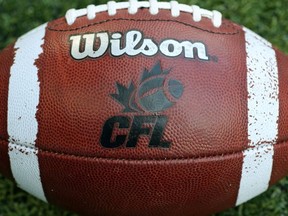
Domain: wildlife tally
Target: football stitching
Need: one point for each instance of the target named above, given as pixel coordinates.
(143, 20)
(151, 159)
(184, 158)
(153, 6)
(123, 19)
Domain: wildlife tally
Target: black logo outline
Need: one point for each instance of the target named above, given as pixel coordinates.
(142, 104)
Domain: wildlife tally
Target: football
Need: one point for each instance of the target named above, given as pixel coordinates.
(143, 108)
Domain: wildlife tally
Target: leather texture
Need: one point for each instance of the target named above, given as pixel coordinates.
(199, 174)
(6, 61)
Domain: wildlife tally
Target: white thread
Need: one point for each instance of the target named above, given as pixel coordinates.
(216, 18)
(90, 12)
(111, 8)
(197, 16)
(154, 6)
(175, 10)
(133, 9)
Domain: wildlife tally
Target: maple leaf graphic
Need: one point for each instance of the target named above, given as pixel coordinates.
(150, 94)
(155, 71)
(123, 96)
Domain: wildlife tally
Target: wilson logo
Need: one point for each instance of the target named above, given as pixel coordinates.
(154, 93)
(133, 43)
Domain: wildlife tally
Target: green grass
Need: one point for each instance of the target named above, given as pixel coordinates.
(267, 18)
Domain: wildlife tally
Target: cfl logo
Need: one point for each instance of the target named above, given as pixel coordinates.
(132, 129)
(154, 93)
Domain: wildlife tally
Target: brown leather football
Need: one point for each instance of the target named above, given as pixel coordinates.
(143, 108)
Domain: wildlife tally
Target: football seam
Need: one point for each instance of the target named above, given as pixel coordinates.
(182, 158)
(150, 159)
(154, 20)
(52, 28)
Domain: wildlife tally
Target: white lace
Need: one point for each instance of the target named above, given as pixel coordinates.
(153, 5)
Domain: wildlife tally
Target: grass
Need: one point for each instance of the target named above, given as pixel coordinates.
(267, 18)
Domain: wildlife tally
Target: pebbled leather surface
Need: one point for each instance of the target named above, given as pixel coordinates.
(207, 127)
(280, 169)
(75, 96)
(6, 60)
(207, 122)
(97, 186)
